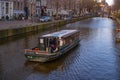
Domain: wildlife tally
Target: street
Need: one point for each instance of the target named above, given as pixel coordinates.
(15, 24)
(96, 58)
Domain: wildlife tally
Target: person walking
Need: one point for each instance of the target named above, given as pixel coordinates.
(7, 17)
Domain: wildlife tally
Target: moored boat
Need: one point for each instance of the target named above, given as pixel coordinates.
(53, 45)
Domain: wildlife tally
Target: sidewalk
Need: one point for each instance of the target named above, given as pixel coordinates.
(10, 28)
(14, 24)
(17, 24)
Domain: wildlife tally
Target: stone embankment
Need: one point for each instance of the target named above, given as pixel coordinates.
(39, 26)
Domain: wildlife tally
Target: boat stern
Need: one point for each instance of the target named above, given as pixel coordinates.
(38, 56)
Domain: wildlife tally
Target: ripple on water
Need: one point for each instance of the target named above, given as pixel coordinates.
(94, 59)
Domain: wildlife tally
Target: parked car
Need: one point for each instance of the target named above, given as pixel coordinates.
(45, 18)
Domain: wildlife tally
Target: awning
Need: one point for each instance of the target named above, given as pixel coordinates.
(18, 12)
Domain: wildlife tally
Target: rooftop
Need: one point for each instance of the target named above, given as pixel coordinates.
(61, 33)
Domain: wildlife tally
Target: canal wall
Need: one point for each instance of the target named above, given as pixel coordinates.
(39, 26)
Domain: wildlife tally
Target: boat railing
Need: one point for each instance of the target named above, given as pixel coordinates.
(37, 51)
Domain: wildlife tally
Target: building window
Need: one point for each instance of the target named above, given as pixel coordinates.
(7, 8)
(21, 6)
(14, 6)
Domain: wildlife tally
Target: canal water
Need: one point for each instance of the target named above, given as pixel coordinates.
(97, 57)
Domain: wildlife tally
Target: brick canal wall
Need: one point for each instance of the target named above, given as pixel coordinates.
(39, 26)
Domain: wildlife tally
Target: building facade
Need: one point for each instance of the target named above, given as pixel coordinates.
(31, 7)
(18, 8)
(38, 7)
(6, 9)
(51, 10)
(43, 7)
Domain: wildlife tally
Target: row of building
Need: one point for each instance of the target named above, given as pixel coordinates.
(16, 9)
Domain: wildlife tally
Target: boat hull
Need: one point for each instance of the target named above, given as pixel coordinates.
(33, 56)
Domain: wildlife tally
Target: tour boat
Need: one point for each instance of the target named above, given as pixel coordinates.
(53, 45)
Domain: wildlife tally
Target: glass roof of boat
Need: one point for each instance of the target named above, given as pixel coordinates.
(61, 33)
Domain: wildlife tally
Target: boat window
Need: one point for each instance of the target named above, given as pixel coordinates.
(41, 41)
(61, 42)
(53, 41)
(41, 44)
(53, 44)
(69, 39)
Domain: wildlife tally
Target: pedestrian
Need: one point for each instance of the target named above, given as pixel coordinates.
(7, 17)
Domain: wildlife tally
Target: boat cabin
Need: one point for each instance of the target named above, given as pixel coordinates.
(56, 41)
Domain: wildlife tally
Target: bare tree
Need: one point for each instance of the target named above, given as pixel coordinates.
(116, 5)
(74, 5)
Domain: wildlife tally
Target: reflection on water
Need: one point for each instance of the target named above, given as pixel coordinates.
(96, 57)
(57, 64)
